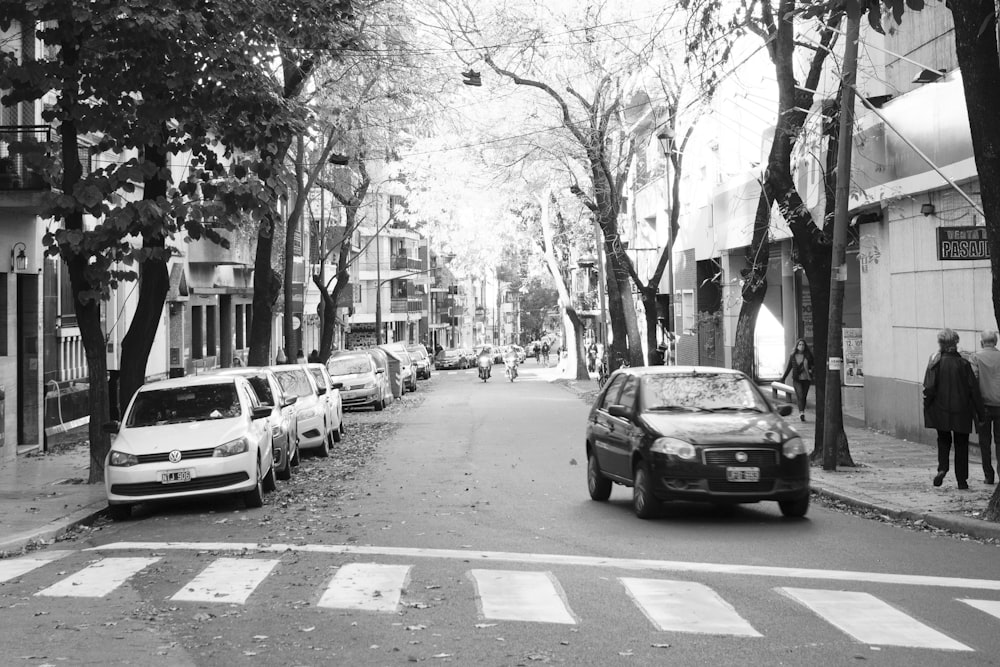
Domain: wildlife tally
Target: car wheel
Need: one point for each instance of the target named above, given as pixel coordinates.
(379, 405)
(324, 449)
(343, 427)
(119, 512)
(295, 459)
(795, 508)
(285, 473)
(598, 485)
(643, 502)
(255, 497)
(337, 434)
(269, 484)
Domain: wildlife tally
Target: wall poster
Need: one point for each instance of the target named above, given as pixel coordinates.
(854, 374)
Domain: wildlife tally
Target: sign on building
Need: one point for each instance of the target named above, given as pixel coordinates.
(962, 243)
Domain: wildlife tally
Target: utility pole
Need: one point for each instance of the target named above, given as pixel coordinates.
(833, 425)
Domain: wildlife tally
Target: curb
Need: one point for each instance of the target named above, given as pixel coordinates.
(964, 525)
(54, 529)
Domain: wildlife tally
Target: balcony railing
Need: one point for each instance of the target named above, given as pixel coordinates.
(21, 146)
(402, 262)
(72, 357)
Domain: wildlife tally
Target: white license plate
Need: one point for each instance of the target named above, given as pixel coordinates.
(175, 476)
(742, 474)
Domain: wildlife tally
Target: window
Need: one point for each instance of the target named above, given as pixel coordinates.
(610, 398)
(684, 310)
(262, 388)
(240, 327)
(197, 332)
(629, 393)
(211, 330)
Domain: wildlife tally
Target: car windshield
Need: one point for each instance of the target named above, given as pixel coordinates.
(262, 388)
(450, 354)
(417, 352)
(353, 366)
(715, 392)
(184, 404)
(294, 382)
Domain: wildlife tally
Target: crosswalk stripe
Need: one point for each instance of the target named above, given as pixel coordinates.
(366, 586)
(686, 606)
(991, 607)
(870, 620)
(508, 595)
(226, 580)
(98, 579)
(16, 567)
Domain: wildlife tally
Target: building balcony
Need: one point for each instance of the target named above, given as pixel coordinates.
(404, 262)
(407, 305)
(204, 251)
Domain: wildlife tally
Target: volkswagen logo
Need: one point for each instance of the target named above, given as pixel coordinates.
(741, 457)
(175, 456)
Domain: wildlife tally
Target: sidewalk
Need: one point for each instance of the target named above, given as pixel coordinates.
(43, 496)
(892, 476)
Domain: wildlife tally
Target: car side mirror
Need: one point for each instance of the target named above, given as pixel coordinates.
(619, 411)
(320, 391)
(260, 412)
(784, 410)
(111, 427)
(291, 400)
(338, 385)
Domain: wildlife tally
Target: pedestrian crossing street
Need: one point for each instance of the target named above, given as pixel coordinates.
(501, 595)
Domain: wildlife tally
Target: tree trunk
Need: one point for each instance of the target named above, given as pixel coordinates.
(754, 287)
(652, 323)
(577, 357)
(976, 49)
(154, 283)
(266, 289)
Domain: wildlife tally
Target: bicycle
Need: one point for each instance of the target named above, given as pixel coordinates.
(602, 374)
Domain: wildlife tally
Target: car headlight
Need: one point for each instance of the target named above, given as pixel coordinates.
(122, 459)
(276, 431)
(674, 447)
(231, 448)
(369, 385)
(307, 414)
(793, 447)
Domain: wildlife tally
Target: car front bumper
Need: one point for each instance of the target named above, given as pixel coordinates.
(210, 476)
(354, 398)
(312, 434)
(787, 480)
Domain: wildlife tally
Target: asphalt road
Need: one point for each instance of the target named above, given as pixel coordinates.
(467, 537)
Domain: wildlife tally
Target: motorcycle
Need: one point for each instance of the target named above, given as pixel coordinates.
(511, 370)
(485, 366)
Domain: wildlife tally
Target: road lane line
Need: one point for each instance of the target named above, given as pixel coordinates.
(991, 607)
(566, 559)
(367, 587)
(97, 579)
(226, 580)
(685, 606)
(15, 567)
(870, 620)
(506, 595)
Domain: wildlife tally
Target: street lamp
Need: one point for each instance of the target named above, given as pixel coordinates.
(18, 258)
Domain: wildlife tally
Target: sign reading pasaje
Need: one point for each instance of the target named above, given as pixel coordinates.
(962, 243)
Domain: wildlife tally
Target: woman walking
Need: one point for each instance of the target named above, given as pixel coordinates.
(800, 365)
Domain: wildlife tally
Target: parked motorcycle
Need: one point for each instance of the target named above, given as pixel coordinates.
(485, 367)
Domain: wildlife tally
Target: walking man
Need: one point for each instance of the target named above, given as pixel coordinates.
(986, 366)
(951, 402)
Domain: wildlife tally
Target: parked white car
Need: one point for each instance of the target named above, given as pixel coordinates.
(190, 436)
(364, 383)
(330, 397)
(283, 420)
(313, 429)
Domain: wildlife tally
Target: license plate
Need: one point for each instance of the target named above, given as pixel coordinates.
(742, 474)
(175, 476)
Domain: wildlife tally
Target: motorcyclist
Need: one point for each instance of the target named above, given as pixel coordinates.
(510, 361)
(485, 362)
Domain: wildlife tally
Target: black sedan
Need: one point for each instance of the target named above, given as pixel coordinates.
(693, 433)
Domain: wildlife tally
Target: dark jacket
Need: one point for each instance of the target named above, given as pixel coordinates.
(802, 372)
(951, 394)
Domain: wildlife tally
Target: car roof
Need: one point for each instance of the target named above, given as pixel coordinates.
(680, 370)
(189, 381)
(243, 371)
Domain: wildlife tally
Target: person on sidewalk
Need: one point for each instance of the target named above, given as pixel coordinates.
(986, 366)
(951, 402)
(800, 365)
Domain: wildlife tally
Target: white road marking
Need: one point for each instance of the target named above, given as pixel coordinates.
(870, 620)
(366, 586)
(226, 580)
(97, 579)
(507, 595)
(15, 567)
(565, 559)
(991, 607)
(685, 606)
